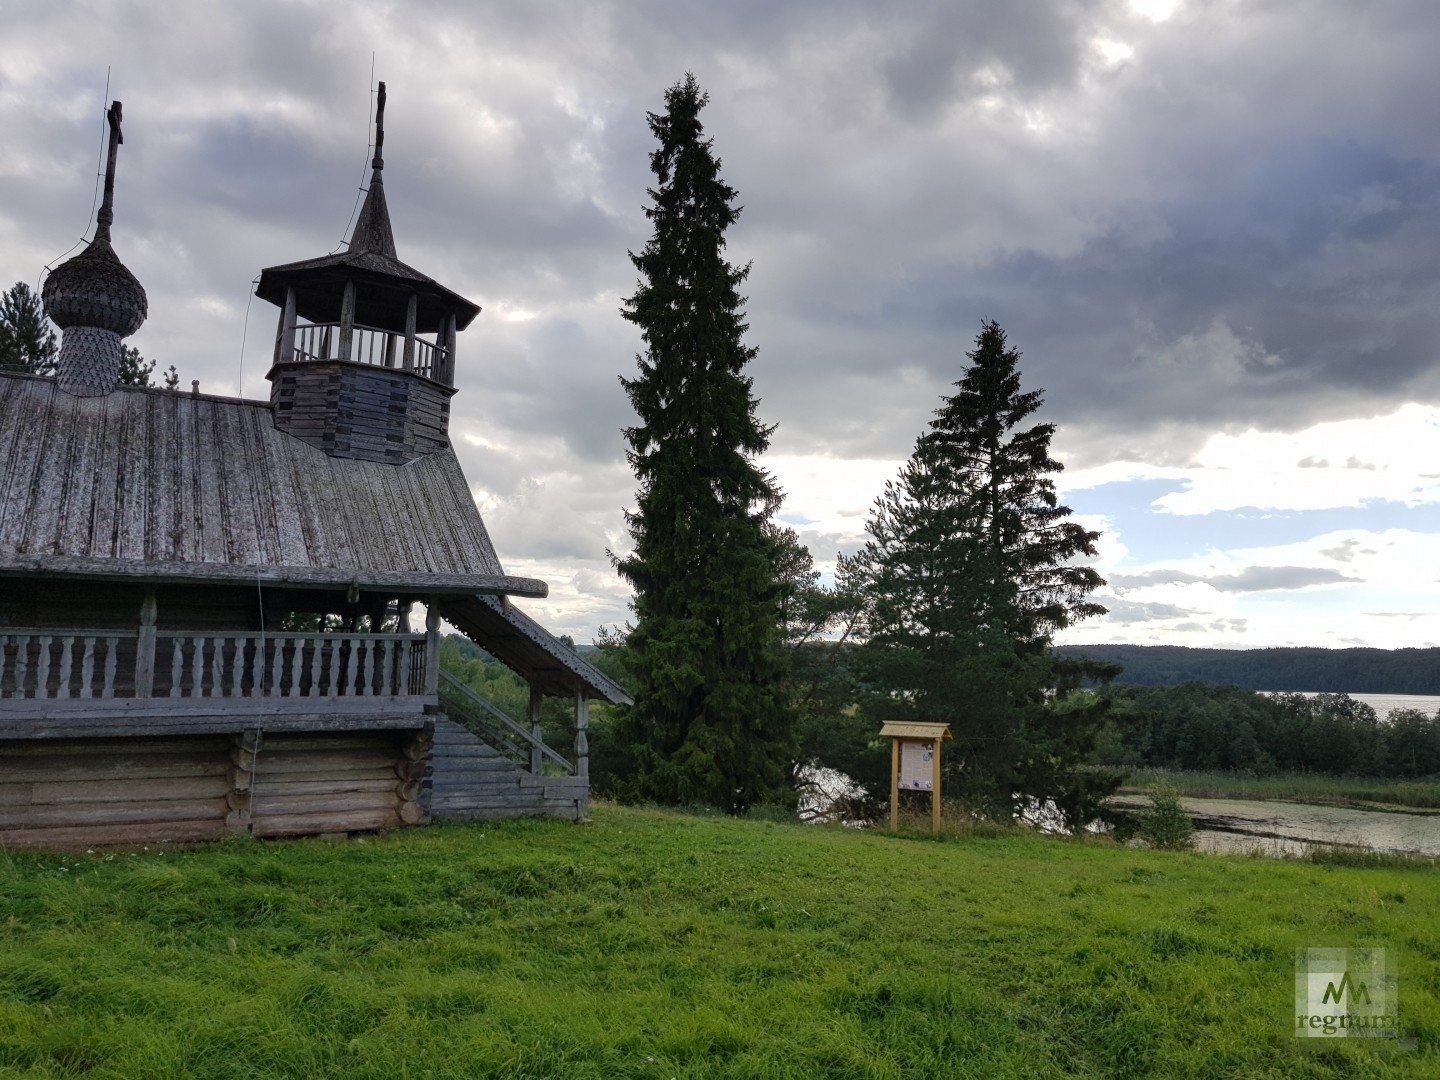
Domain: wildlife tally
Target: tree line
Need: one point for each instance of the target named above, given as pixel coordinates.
(1226, 728)
(1348, 671)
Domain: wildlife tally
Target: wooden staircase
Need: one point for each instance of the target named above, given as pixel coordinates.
(472, 781)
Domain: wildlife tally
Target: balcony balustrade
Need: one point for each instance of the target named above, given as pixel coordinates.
(368, 345)
(325, 672)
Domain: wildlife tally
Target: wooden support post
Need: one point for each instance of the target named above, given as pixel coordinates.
(894, 785)
(935, 791)
(582, 737)
(535, 701)
(347, 320)
(402, 612)
(245, 749)
(279, 338)
(432, 646)
(449, 374)
(286, 352)
(145, 647)
(407, 361)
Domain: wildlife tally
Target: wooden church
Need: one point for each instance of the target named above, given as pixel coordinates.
(210, 607)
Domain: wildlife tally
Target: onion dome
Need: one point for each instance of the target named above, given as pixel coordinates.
(95, 289)
(95, 299)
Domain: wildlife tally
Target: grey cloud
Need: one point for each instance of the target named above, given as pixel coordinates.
(1251, 579)
(1346, 551)
(1131, 612)
(1265, 578)
(1036, 46)
(1231, 626)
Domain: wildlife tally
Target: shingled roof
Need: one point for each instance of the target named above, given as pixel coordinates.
(155, 485)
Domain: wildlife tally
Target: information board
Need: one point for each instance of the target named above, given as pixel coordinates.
(917, 768)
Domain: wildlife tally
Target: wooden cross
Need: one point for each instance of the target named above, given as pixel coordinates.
(379, 162)
(106, 215)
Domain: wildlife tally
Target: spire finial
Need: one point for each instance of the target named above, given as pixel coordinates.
(107, 206)
(379, 162)
(372, 227)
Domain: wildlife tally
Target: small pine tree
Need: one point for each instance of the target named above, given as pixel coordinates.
(27, 340)
(710, 722)
(135, 370)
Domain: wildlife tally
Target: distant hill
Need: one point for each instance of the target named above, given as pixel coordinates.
(1350, 671)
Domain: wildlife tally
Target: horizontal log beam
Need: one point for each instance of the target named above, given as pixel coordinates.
(301, 824)
(86, 727)
(22, 709)
(112, 813)
(123, 833)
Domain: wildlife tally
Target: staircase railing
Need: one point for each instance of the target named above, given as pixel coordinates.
(470, 710)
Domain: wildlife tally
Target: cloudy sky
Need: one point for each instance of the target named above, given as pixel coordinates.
(1211, 226)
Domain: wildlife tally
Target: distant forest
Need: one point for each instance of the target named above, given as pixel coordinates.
(1336, 671)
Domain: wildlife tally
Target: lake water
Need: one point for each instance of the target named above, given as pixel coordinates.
(1284, 828)
(1383, 703)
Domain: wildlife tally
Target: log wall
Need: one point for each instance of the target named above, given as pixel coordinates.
(61, 793)
(300, 784)
(65, 793)
(361, 412)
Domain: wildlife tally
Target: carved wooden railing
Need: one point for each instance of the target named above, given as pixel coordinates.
(65, 663)
(290, 665)
(368, 345)
(495, 726)
(78, 664)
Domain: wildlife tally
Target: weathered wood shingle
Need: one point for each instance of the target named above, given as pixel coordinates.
(155, 484)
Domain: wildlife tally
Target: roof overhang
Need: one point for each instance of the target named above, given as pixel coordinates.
(528, 649)
(898, 730)
(383, 290)
(192, 573)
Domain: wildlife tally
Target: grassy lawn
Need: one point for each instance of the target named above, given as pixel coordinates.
(648, 944)
(1297, 787)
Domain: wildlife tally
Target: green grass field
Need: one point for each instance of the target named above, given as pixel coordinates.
(1297, 787)
(658, 945)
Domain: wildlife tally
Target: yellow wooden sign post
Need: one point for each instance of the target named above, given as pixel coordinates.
(915, 765)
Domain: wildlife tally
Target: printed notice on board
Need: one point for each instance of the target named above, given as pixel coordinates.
(917, 769)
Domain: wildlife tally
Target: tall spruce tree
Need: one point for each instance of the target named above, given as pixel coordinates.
(1027, 539)
(27, 340)
(710, 722)
(968, 573)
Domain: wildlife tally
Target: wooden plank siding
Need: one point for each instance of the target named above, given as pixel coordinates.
(358, 411)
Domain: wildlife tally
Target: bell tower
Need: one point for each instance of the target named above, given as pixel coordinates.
(364, 363)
